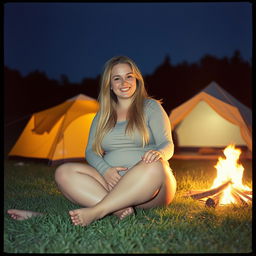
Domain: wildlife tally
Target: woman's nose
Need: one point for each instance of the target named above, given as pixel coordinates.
(124, 81)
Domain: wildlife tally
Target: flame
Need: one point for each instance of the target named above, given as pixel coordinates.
(229, 169)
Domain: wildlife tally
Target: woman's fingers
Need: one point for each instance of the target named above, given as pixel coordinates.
(110, 186)
(151, 156)
(154, 156)
(114, 178)
(113, 181)
(145, 158)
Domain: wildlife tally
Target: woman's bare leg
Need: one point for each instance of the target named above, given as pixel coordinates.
(81, 184)
(142, 184)
(166, 193)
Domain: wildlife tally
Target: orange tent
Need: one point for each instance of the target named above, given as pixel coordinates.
(59, 133)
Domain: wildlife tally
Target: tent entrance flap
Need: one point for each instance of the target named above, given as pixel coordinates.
(203, 127)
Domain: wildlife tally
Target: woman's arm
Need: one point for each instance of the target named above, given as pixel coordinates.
(110, 174)
(92, 158)
(160, 126)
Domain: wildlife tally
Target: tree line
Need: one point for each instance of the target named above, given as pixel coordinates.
(174, 84)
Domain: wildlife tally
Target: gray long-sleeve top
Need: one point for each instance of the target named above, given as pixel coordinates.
(121, 150)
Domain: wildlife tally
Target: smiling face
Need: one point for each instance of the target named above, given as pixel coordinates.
(123, 81)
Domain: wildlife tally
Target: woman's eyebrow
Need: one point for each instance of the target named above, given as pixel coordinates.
(125, 74)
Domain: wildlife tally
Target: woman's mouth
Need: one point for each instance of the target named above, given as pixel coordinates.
(125, 89)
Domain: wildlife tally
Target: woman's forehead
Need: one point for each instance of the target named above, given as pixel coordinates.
(121, 68)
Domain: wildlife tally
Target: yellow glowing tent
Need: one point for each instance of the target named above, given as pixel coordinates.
(212, 119)
(59, 133)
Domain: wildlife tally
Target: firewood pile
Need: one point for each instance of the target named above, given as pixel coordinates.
(212, 197)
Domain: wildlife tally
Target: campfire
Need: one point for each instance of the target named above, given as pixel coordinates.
(227, 187)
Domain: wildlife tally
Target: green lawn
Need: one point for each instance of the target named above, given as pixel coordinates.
(186, 226)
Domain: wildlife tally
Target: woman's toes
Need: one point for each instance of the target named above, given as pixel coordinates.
(14, 216)
(126, 213)
(74, 222)
(77, 221)
(75, 217)
(71, 213)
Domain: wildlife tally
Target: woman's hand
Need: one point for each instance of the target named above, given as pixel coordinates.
(112, 176)
(151, 156)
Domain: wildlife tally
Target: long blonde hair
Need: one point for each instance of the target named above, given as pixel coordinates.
(107, 116)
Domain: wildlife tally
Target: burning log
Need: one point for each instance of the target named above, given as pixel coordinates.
(210, 192)
(238, 198)
(212, 197)
(235, 193)
(247, 192)
(242, 193)
(214, 201)
(211, 202)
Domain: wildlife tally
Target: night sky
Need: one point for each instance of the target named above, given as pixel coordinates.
(76, 39)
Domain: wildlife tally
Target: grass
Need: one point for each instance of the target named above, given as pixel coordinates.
(186, 226)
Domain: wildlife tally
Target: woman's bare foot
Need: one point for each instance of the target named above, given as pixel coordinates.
(83, 216)
(22, 214)
(121, 214)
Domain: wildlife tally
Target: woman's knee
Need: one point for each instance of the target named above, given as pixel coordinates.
(65, 171)
(155, 168)
(62, 172)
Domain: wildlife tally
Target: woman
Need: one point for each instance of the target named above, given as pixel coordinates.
(128, 150)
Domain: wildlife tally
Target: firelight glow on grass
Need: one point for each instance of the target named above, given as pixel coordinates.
(186, 226)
